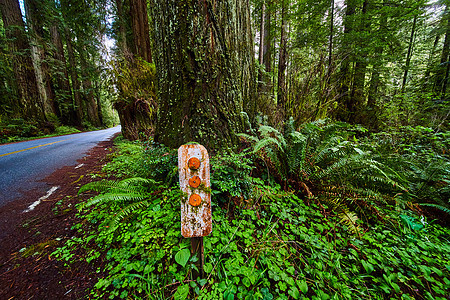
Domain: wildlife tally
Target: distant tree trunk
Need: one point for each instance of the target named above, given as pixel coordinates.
(282, 64)
(442, 72)
(123, 46)
(63, 100)
(77, 111)
(427, 81)
(88, 92)
(141, 34)
(29, 104)
(135, 112)
(267, 46)
(357, 96)
(261, 42)
(345, 77)
(199, 71)
(330, 44)
(409, 54)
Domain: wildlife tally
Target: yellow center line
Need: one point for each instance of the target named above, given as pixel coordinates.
(18, 151)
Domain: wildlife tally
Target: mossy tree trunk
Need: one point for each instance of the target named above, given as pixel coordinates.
(28, 104)
(204, 63)
(136, 103)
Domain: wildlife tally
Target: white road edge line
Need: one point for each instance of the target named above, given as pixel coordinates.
(79, 166)
(36, 203)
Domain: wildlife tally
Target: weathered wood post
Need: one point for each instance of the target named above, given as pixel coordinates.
(193, 165)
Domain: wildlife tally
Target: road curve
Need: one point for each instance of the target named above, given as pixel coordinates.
(23, 164)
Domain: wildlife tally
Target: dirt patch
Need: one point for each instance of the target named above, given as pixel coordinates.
(28, 238)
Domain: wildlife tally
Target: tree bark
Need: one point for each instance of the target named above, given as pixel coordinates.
(409, 54)
(77, 111)
(201, 72)
(345, 77)
(282, 64)
(141, 35)
(442, 71)
(29, 104)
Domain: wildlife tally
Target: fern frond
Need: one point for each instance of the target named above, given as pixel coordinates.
(125, 212)
(125, 197)
(266, 142)
(349, 219)
(440, 207)
(249, 137)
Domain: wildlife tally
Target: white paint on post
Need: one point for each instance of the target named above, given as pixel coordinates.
(193, 165)
(36, 203)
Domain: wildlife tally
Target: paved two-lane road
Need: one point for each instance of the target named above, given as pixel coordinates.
(23, 164)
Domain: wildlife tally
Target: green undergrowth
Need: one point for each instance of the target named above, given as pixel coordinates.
(270, 240)
(16, 130)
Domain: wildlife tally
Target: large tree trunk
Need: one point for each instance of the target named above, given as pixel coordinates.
(141, 35)
(199, 66)
(35, 15)
(29, 104)
(135, 108)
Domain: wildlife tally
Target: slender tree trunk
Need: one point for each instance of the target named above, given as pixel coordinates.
(198, 69)
(345, 77)
(261, 43)
(77, 115)
(409, 54)
(88, 92)
(29, 104)
(442, 72)
(330, 44)
(63, 100)
(267, 46)
(357, 96)
(282, 64)
(427, 81)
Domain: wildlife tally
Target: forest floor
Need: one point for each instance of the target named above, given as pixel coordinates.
(27, 270)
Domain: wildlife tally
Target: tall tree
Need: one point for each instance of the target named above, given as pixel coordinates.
(202, 68)
(282, 61)
(136, 104)
(19, 46)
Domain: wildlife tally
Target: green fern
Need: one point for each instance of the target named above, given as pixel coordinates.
(319, 155)
(131, 194)
(440, 207)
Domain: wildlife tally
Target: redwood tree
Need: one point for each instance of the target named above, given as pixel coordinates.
(204, 63)
(29, 104)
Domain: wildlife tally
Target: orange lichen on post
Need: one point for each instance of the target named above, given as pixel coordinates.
(194, 182)
(195, 200)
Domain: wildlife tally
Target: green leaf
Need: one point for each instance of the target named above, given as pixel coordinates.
(202, 282)
(293, 291)
(182, 292)
(183, 256)
(303, 286)
(367, 266)
(207, 268)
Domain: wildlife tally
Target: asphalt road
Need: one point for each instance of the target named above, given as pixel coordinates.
(23, 165)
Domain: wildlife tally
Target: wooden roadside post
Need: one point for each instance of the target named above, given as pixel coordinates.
(193, 166)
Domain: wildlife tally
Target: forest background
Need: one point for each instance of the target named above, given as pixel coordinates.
(327, 122)
(382, 64)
